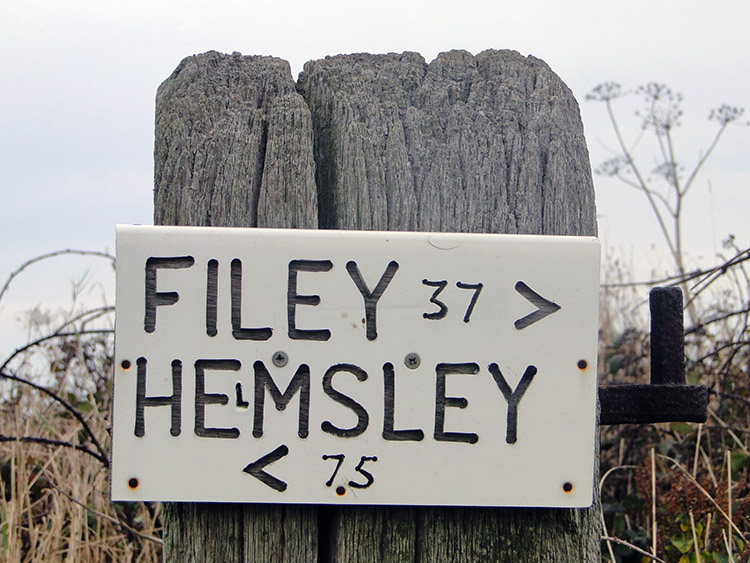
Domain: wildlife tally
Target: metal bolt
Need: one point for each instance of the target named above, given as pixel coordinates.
(280, 359)
(412, 360)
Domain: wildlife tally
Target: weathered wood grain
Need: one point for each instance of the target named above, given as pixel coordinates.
(202, 533)
(234, 148)
(233, 145)
(492, 143)
(485, 143)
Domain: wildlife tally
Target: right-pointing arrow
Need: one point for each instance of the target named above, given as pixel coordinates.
(256, 468)
(544, 306)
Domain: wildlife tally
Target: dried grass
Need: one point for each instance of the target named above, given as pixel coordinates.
(678, 491)
(55, 506)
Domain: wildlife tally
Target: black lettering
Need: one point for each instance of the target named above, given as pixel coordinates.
(156, 298)
(174, 400)
(367, 474)
(389, 406)
(339, 460)
(441, 402)
(238, 332)
(256, 468)
(477, 287)
(241, 403)
(437, 315)
(300, 382)
(293, 299)
(371, 298)
(202, 398)
(363, 419)
(545, 307)
(212, 296)
(512, 397)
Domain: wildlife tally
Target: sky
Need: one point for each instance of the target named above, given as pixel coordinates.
(78, 81)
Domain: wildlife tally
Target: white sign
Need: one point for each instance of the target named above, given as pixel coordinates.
(345, 367)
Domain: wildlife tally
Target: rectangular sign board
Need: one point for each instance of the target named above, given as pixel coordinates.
(347, 367)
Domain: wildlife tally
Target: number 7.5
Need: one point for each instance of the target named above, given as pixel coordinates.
(369, 479)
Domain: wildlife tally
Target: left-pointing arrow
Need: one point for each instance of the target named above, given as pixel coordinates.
(256, 468)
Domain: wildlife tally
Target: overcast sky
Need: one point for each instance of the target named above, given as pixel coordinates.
(78, 80)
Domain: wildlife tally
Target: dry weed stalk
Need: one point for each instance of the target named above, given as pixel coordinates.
(54, 406)
(696, 492)
(56, 505)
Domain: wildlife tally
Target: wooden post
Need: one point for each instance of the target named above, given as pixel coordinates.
(486, 143)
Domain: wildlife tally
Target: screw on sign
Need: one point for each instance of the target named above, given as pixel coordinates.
(412, 360)
(280, 359)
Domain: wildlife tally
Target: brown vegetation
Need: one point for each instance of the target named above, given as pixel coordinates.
(678, 491)
(54, 461)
